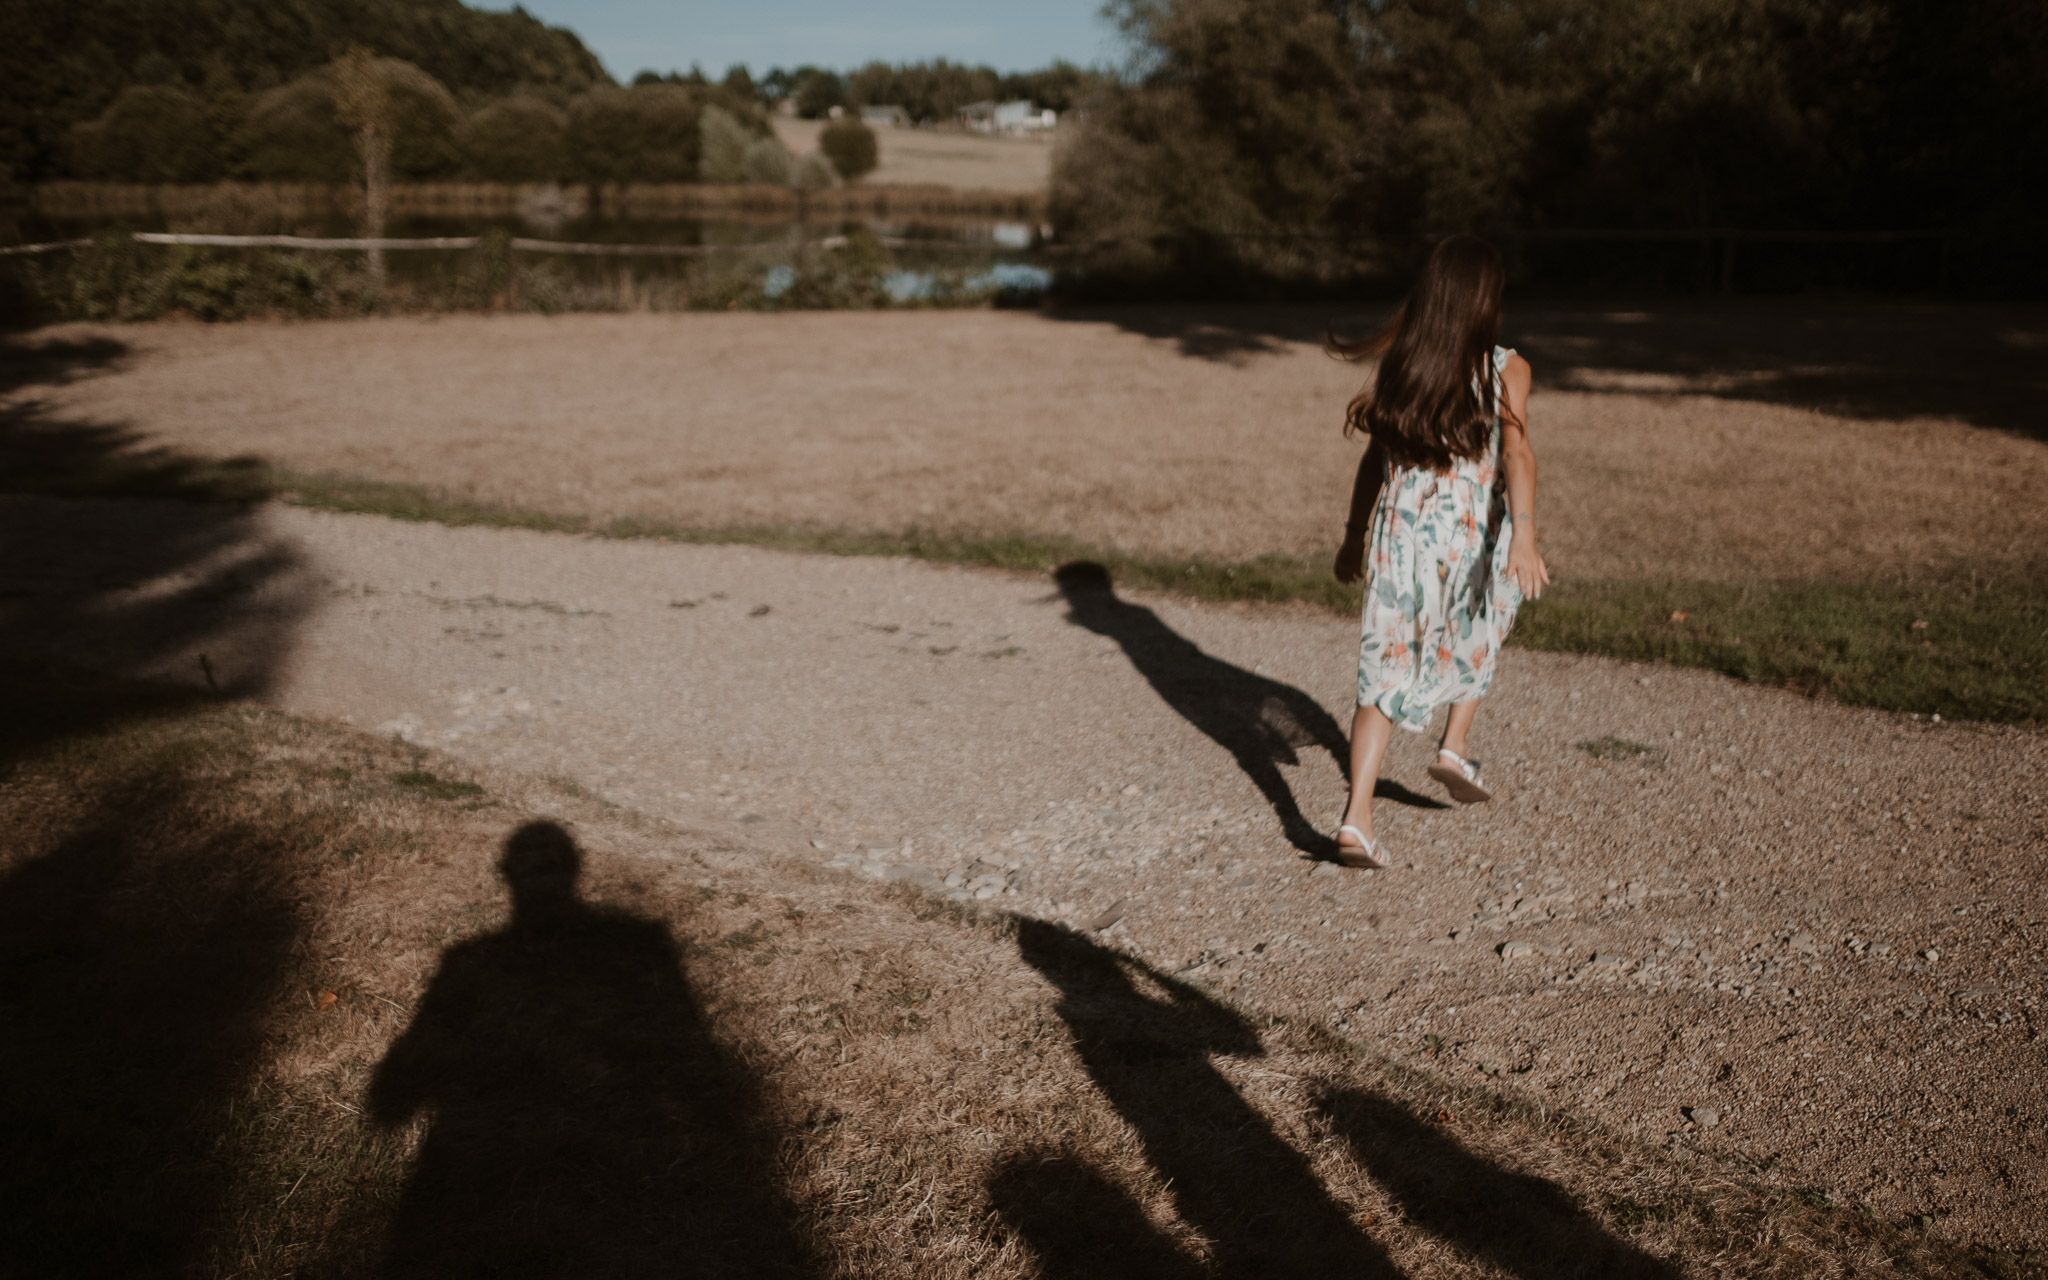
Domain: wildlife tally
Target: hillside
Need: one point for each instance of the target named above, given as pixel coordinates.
(64, 60)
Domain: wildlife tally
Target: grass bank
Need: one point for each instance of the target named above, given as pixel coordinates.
(286, 999)
(1961, 648)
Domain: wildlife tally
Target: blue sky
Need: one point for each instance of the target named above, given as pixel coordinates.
(1010, 35)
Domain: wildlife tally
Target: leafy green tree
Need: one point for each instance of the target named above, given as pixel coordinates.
(817, 92)
(295, 134)
(1063, 87)
(740, 83)
(517, 139)
(151, 133)
(1251, 123)
(647, 133)
(1304, 137)
(851, 147)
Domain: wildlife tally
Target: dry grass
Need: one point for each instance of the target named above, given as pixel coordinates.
(940, 157)
(1151, 433)
(269, 1014)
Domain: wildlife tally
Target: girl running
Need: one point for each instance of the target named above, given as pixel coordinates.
(1446, 495)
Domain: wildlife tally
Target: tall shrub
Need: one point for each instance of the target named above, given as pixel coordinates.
(769, 162)
(851, 147)
(723, 143)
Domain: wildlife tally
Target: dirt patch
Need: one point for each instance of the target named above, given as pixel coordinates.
(1153, 432)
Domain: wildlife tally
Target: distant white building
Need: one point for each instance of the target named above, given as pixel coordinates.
(891, 117)
(1016, 117)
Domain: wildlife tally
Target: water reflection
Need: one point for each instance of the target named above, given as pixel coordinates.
(667, 257)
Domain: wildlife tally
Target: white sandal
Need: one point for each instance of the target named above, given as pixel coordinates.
(1365, 855)
(1460, 777)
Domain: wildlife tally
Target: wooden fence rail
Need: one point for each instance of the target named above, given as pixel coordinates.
(471, 242)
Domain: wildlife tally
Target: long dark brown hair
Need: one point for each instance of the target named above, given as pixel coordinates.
(1433, 397)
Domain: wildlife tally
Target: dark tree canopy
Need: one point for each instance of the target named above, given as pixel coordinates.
(293, 132)
(151, 133)
(63, 62)
(1242, 125)
(647, 133)
(517, 139)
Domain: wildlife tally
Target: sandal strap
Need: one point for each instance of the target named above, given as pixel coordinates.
(1470, 768)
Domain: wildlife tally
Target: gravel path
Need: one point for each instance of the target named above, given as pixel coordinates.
(1699, 911)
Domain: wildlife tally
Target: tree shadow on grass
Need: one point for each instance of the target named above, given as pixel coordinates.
(1885, 361)
(1860, 359)
(1525, 1225)
(581, 1120)
(1217, 333)
(134, 588)
(1261, 722)
(143, 936)
(142, 944)
(41, 453)
(1146, 1041)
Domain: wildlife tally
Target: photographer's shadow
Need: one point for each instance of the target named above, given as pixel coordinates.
(582, 1120)
(1261, 722)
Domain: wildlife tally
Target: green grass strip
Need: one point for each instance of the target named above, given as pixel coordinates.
(1961, 650)
(1979, 651)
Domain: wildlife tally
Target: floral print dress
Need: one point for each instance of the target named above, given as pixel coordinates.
(1438, 598)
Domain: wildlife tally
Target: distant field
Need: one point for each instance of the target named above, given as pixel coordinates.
(1779, 491)
(941, 157)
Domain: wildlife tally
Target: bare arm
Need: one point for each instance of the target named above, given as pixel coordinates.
(1518, 460)
(1365, 491)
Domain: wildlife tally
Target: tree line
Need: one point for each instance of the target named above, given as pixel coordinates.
(199, 90)
(655, 131)
(65, 62)
(1287, 138)
(929, 92)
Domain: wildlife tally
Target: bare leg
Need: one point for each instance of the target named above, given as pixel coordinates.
(1370, 733)
(1459, 725)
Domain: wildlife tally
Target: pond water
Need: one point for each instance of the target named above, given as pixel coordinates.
(912, 258)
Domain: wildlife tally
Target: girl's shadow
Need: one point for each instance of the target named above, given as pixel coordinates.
(1262, 723)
